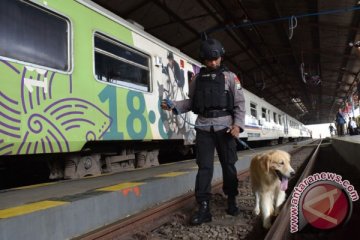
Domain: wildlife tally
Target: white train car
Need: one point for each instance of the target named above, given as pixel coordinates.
(265, 122)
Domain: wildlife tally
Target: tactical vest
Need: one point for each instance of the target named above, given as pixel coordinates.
(210, 94)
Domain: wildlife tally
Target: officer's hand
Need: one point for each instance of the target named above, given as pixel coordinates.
(235, 131)
(164, 105)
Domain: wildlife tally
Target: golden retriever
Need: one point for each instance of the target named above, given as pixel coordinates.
(269, 174)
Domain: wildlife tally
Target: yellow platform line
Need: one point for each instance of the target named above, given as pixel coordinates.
(171, 174)
(121, 186)
(34, 186)
(29, 208)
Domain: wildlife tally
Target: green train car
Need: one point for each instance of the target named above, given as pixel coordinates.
(84, 86)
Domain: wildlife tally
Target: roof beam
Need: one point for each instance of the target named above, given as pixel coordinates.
(174, 21)
(175, 16)
(316, 44)
(273, 9)
(355, 22)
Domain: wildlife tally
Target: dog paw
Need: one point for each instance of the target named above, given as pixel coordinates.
(256, 211)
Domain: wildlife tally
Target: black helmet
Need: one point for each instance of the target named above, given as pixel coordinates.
(211, 49)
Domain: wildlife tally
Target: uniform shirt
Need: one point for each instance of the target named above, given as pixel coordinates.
(232, 84)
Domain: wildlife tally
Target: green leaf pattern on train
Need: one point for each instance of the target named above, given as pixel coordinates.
(48, 116)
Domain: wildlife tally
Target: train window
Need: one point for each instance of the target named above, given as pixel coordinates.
(120, 64)
(263, 113)
(275, 117)
(253, 110)
(34, 35)
(280, 122)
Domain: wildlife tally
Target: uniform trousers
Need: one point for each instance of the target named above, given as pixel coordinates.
(225, 145)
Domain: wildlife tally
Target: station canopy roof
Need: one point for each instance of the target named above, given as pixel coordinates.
(301, 56)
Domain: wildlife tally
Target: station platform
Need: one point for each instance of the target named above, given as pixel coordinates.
(67, 209)
(349, 149)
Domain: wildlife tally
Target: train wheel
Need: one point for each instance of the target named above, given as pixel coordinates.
(56, 169)
(119, 163)
(144, 159)
(82, 166)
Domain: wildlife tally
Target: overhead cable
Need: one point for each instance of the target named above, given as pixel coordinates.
(287, 18)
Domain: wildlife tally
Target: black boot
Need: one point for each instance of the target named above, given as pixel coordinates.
(232, 208)
(202, 215)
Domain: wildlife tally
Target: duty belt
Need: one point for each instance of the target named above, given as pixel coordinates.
(215, 113)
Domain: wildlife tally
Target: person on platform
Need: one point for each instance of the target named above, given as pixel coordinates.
(331, 128)
(352, 126)
(340, 122)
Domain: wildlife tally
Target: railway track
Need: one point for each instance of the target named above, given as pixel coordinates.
(170, 220)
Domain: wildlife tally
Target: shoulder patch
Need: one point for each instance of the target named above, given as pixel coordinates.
(237, 83)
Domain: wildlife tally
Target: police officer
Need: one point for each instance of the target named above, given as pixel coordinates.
(217, 97)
